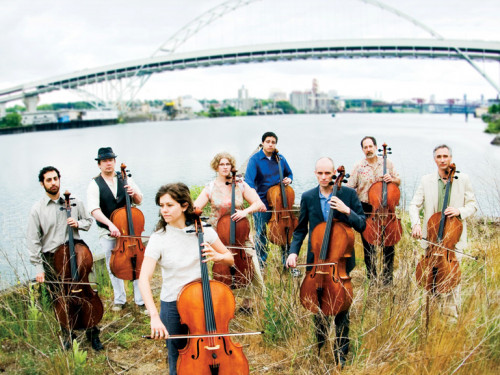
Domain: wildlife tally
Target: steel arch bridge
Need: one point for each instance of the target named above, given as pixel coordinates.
(347, 49)
(139, 71)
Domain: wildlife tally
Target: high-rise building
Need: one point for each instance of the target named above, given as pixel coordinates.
(244, 102)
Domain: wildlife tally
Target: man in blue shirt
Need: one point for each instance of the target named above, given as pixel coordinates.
(262, 173)
(315, 205)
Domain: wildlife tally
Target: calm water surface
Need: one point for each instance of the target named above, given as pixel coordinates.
(162, 152)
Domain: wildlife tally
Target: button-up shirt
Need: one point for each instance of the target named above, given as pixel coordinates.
(325, 207)
(93, 199)
(263, 173)
(48, 228)
(365, 174)
(441, 194)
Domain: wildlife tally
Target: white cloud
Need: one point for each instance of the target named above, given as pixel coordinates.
(43, 39)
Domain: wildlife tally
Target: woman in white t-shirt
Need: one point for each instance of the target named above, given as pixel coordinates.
(175, 247)
(218, 193)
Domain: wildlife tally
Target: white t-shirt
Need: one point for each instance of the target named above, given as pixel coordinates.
(177, 252)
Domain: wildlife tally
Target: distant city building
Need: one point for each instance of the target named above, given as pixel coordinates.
(314, 101)
(244, 103)
(277, 95)
(300, 100)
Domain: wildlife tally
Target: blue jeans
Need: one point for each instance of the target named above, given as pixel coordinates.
(170, 318)
(261, 219)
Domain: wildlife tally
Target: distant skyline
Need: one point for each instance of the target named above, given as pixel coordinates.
(44, 39)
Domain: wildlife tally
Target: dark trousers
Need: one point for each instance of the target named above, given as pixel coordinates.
(260, 221)
(55, 292)
(341, 345)
(371, 256)
(172, 321)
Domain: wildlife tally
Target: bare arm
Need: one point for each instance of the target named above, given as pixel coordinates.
(251, 196)
(202, 199)
(217, 253)
(158, 330)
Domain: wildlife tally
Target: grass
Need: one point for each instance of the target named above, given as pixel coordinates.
(391, 331)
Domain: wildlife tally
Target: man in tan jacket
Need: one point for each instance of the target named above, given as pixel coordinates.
(430, 197)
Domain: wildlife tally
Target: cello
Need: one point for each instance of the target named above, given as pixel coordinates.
(383, 228)
(206, 307)
(234, 235)
(327, 287)
(78, 306)
(281, 199)
(438, 270)
(128, 254)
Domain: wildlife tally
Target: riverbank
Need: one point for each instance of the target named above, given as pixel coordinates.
(76, 124)
(391, 331)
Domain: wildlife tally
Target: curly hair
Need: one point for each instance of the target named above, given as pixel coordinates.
(222, 155)
(179, 193)
(41, 174)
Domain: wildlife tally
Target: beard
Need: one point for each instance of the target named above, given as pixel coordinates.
(53, 190)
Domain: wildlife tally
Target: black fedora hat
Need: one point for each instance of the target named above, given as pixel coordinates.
(105, 153)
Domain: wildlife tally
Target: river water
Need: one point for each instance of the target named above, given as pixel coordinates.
(162, 152)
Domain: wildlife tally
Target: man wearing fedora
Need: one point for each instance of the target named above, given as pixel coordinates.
(105, 194)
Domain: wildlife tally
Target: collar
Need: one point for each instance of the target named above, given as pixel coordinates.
(263, 155)
(322, 196)
(366, 163)
(47, 200)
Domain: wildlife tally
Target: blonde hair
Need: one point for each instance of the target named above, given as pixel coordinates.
(218, 157)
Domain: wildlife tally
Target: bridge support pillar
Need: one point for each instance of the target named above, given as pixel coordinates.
(31, 102)
(2, 110)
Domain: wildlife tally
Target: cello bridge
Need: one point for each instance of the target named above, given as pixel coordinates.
(322, 273)
(216, 347)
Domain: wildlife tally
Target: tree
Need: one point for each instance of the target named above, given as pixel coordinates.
(12, 120)
(286, 106)
(212, 112)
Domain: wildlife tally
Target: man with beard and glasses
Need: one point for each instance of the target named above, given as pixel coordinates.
(47, 230)
(365, 173)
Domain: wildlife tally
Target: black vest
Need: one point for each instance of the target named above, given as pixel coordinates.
(107, 201)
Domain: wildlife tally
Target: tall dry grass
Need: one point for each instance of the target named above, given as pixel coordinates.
(392, 330)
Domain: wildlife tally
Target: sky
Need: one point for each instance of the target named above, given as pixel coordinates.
(39, 40)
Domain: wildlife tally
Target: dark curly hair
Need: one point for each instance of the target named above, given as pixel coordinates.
(41, 174)
(179, 193)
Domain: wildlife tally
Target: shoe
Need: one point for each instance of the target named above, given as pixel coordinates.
(117, 307)
(96, 344)
(143, 310)
(295, 272)
(67, 344)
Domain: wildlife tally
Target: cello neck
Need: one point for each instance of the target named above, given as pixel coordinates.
(128, 204)
(329, 222)
(282, 185)
(205, 282)
(451, 176)
(384, 184)
(71, 240)
(232, 225)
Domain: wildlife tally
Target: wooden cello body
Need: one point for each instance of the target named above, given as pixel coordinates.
(235, 235)
(327, 287)
(439, 270)
(78, 306)
(281, 199)
(128, 254)
(383, 228)
(206, 307)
